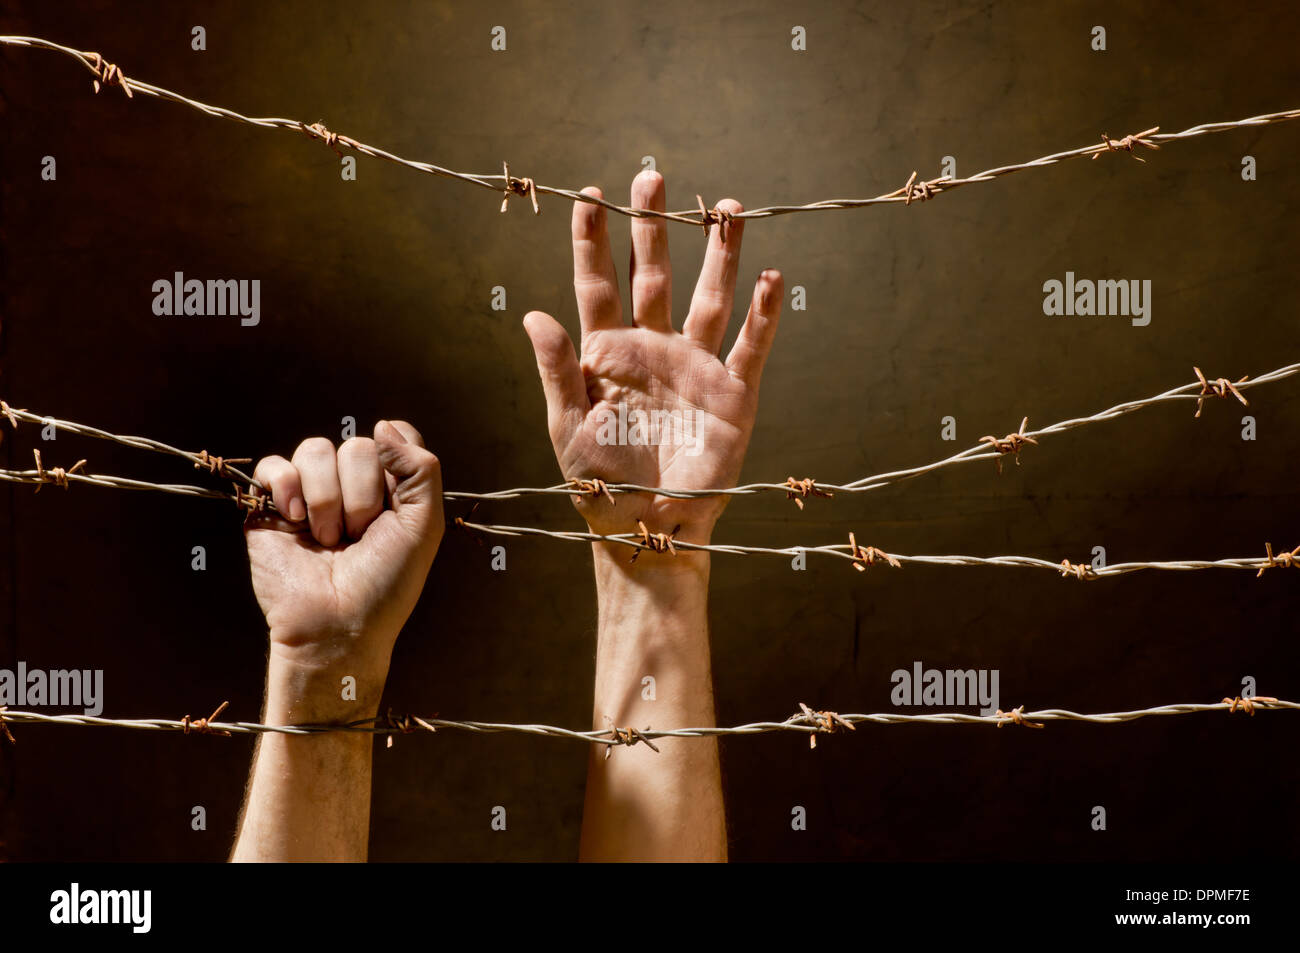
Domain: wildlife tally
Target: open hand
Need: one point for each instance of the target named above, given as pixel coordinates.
(648, 404)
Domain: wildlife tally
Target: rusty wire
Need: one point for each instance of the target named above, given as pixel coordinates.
(861, 557)
(807, 721)
(989, 448)
(202, 460)
(981, 451)
(254, 499)
(108, 74)
(796, 489)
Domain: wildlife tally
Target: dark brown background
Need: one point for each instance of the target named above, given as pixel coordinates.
(375, 298)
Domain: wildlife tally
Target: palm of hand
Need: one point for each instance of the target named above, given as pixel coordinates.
(696, 413)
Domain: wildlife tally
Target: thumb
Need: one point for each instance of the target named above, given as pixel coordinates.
(414, 482)
(562, 380)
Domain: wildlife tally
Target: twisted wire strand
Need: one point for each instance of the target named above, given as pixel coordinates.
(913, 191)
(810, 722)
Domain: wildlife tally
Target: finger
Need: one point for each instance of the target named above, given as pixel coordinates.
(280, 477)
(417, 497)
(652, 281)
(562, 381)
(318, 469)
(362, 480)
(754, 343)
(594, 280)
(714, 292)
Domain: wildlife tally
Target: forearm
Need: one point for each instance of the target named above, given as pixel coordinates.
(309, 795)
(653, 622)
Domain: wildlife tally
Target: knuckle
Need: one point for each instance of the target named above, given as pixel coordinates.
(271, 468)
(314, 447)
(357, 446)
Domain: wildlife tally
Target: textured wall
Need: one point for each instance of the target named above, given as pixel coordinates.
(375, 301)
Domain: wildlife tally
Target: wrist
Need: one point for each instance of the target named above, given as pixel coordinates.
(654, 574)
(303, 688)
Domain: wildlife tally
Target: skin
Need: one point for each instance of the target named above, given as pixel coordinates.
(653, 617)
(336, 579)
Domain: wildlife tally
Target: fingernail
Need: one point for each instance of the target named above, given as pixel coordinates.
(297, 509)
(397, 433)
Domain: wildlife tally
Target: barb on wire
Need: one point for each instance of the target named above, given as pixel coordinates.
(629, 737)
(56, 475)
(1085, 571)
(989, 448)
(1249, 704)
(318, 130)
(827, 721)
(205, 726)
(514, 186)
(1282, 560)
(802, 489)
(862, 558)
(1012, 443)
(1128, 142)
(807, 721)
(1220, 387)
(106, 73)
(655, 542)
(1016, 716)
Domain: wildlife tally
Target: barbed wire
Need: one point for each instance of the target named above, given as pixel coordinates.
(861, 557)
(864, 556)
(108, 74)
(808, 721)
(202, 460)
(989, 448)
(63, 478)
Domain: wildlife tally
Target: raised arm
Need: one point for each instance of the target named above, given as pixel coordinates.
(651, 405)
(337, 578)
